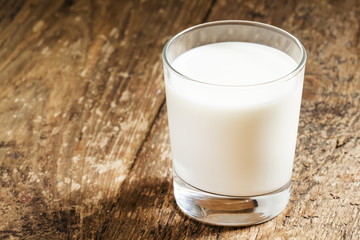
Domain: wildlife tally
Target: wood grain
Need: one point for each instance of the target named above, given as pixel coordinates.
(84, 148)
(82, 84)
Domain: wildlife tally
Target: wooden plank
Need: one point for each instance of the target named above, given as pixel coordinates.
(68, 69)
(81, 86)
(324, 202)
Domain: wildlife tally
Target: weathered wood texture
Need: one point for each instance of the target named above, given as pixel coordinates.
(84, 148)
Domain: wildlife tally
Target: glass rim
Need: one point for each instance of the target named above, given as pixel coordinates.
(286, 77)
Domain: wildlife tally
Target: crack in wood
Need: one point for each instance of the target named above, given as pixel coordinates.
(340, 142)
(206, 17)
(151, 125)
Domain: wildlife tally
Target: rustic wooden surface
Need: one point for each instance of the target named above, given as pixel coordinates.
(84, 147)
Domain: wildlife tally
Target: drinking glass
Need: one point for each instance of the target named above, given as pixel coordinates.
(233, 145)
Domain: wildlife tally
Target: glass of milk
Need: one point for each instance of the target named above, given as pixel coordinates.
(233, 92)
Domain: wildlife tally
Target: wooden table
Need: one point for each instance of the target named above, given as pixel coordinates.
(84, 145)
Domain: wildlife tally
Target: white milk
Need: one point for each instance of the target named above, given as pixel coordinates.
(233, 140)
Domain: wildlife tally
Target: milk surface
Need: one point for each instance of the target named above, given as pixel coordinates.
(226, 137)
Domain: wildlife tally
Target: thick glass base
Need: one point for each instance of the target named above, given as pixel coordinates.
(229, 210)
